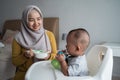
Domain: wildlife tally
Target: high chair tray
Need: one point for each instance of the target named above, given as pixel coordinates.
(43, 70)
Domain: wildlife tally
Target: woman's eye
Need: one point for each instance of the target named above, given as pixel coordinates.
(38, 19)
(30, 20)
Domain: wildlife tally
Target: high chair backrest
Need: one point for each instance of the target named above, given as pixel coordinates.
(100, 62)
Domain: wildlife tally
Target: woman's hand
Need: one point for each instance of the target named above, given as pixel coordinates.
(46, 58)
(29, 53)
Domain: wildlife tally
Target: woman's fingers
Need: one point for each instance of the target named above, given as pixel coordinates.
(29, 53)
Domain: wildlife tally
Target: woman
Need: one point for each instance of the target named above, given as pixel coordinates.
(31, 36)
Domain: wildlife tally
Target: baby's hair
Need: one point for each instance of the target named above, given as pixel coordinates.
(78, 35)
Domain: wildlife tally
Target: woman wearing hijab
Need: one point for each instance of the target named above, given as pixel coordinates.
(31, 36)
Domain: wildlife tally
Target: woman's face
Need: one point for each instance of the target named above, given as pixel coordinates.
(35, 21)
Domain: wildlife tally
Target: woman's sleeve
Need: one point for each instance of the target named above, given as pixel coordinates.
(17, 56)
(53, 45)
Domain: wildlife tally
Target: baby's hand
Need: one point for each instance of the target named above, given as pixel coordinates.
(60, 57)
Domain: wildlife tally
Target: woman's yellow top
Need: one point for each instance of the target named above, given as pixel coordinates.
(22, 63)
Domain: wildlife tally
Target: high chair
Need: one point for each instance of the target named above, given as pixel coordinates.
(100, 65)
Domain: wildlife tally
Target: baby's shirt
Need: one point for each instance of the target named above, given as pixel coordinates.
(77, 66)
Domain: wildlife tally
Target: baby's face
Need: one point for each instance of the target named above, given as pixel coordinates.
(74, 48)
(71, 47)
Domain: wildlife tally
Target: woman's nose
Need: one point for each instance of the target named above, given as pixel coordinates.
(35, 22)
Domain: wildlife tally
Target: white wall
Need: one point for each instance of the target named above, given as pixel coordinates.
(100, 17)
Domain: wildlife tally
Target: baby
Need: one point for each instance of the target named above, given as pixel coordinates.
(76, 64)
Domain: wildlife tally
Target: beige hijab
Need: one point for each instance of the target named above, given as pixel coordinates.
(32, 39)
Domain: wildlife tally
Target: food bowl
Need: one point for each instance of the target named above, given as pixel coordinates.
(40, 54)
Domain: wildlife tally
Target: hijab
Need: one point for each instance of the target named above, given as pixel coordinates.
(28, 38)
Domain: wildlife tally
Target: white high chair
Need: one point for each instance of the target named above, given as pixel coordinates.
(100, 65)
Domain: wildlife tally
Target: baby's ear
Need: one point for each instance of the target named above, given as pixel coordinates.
(79, 48)
(76, 48)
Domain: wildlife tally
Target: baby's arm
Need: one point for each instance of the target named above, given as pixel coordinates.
(64, 66)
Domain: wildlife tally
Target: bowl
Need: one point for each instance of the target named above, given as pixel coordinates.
(40, 54)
